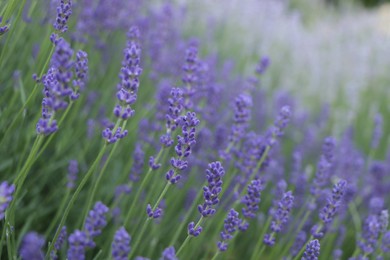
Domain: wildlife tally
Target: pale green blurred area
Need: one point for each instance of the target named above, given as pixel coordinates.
(320, 53)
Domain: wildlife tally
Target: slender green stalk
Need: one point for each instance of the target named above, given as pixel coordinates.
(95, 186)
(140, 235)
(58, 213)
(259, 247)
(140, 189)
(75, 196)
(187, 240)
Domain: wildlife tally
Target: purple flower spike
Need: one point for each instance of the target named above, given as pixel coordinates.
(386, 242)
(59, 243)
(328, 212)
(169, 253)
(129, 79)
(263, 65)
(4, 29)
(73, 170)
(31, 248)
(95, 222)
(312, 251)
(153, 164)
(194, 231)
(252, 199)
(6, 191)
(78, 242)
(153, 213)
(231, 224)
(81, 68)
(64, 10)
(214, 175)
(282, 121)
(242, 114)
(121, 245)
(138, 163)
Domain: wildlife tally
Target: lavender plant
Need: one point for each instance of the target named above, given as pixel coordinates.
(287, 180)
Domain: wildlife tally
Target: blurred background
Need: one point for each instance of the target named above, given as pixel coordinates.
(333, 52)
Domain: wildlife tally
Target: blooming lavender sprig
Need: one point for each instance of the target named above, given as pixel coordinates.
(252, 199)
(57, 87)
(280, 217)
(6, 191)
(231, 225)
(129, 80)
(214, 175)
(312, 251)
(78, 243)
(370, 234)
(153, 213)
(183, 147)
(4, 28)
(169, 253)
(173, 114)
(328, 212)
(384, 220)
(190, 78)
(81, 71)
(242, 114)
(263, 65)
(324, 165)
(58, 244)
(64, 10)
(95, 222)
(138, 163)
(31, 248)
(73, 170)
(281, 121)
(121, 244)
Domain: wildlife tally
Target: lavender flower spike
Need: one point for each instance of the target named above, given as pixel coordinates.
(328, 212)
(95, 222)
(214, 175)
(252, 199)
(64, 10)
(73, 170)
(280, 217)
(59, 243)
(169, 254)
(232, 223)
(31, 248)
(6, 191)
(312, 250)
(121, 245)
(78, 242)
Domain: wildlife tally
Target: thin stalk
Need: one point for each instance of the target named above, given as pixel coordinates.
(98, 180)
(140, 189)
(187, 240)
(58, 213)
(144, 226)
(74, 197)
(259, 248)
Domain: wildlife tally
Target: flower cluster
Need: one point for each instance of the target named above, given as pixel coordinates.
(73, 170)
(31, 247)
(121, 244)
(64, 11)
(312, 251)
(58, 244)
(79, 241)
(169, 253)
(280, 217)
(252, 199)
(57, 85)
(231, 225)
(214, 175)
(173, 114)
(183, 147)
(6, 191)
(330, 209)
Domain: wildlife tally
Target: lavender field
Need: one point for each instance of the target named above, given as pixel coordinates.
(168, 130)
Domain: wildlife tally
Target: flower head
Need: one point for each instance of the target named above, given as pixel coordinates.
(121, 244)
(31, 248)
(312, 251)
(6, 191)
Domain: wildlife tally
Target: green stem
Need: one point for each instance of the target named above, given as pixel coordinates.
(259, 245)
(58, 213)
(74, 197)
(187, 240)
(140, 189)
(144, 226)
(98, 180)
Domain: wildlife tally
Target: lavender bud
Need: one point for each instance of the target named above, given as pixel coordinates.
(312, 251)
(6, 191)
(121, 245)
(31, 248)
